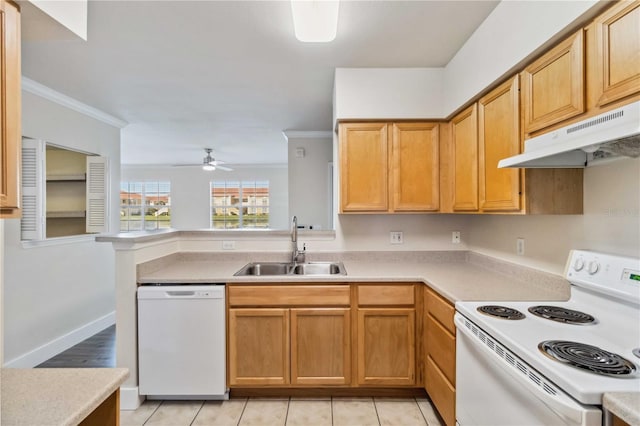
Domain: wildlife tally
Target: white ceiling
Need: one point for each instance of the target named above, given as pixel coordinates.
(230, 75)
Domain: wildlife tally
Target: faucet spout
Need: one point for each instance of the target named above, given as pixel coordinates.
(297, 256)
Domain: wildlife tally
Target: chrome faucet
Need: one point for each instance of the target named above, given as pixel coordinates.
(297, 256)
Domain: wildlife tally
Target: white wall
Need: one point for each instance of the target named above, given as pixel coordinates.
(55, 295)
(388, 93)
(190, 200)
(71, 14)
(611, 223)
(309, 183)
(512, 32)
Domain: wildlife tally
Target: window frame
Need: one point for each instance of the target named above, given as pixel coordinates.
(258, 206)
(145, 194)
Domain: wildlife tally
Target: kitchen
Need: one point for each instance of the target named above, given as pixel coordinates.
(609, 222)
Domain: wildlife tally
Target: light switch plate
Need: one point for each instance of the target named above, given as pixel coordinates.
(520, 246)
(455, 237)
(228, 245)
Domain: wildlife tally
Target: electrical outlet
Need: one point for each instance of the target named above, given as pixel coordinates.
(455, 237)
(228, 245)
(520, 246)
(395, 237)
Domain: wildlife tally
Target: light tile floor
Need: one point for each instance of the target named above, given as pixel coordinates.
(337, 411)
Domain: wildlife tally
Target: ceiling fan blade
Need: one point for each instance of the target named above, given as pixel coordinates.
(186, 165)
(216, 162)
(226, 169)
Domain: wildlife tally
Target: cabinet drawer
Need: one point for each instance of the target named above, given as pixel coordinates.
(441, 347)
(441, 392)
(441, 310)
(289, 295)
(378, 295)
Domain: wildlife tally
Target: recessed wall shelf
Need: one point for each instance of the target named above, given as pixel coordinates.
(71, 214)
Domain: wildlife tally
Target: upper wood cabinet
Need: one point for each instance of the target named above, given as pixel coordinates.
(617, 53)
(414, 164)
(364, 167)
(499, 137)
(553, 86)
(10, 133)
(464, 160)
(389, 167)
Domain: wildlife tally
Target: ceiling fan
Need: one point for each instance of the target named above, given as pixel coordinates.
(209, 163)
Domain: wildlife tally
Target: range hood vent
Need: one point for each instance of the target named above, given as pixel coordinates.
(611, 135)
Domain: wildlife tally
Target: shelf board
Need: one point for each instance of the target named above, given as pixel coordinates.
(70, 214)
(81, 177)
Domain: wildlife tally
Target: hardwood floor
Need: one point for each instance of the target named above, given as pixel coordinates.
(98, 351)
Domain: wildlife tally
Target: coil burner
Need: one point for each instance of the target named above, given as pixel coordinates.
(501, 312)
(587, 357)
(560, 314)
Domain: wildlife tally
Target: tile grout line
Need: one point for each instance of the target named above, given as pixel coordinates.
(154, 411)
(244, 407)
(421, 413)
(196, 416)
(286, 416)
(331, 402)
(375, 407)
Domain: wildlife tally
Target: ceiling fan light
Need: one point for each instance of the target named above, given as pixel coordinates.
(315, 20)
(208, 167)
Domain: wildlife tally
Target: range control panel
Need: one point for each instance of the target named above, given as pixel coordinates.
(612, 274)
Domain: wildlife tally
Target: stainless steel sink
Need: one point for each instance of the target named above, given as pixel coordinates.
(287, 268)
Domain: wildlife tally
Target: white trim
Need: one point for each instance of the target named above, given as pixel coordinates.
(130, 398)
(62, 343)
(306, 134)
(41, 90)
(58, 241)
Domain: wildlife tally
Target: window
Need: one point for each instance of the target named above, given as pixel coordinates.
(145, 206)
(239, 204)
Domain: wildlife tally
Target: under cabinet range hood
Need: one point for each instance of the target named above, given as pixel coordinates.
(613, 134)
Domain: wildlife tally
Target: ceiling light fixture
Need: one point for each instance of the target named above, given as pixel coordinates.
(315, 21)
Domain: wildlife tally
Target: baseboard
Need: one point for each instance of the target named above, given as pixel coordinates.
(130, 399)
(62, 343)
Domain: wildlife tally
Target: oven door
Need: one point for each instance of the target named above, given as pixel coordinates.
(494, 387)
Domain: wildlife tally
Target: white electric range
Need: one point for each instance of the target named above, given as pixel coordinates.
(549, 363)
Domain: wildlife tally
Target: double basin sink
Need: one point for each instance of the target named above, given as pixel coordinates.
(288, 268)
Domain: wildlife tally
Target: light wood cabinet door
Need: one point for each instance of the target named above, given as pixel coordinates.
(440, 354)
(386, 346)
(618, 52)
(553, 86)
(258, 346)
(415, 167)
(10, 133)
(321, 346)
(499, 137)
(364, 167)
(464, 150)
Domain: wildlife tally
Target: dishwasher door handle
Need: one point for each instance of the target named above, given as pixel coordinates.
(180, 293)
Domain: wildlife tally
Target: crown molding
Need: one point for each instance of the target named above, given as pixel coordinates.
(43, 91)
(306, 134)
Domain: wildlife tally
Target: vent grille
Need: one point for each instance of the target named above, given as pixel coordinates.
(511, 359)
(596, 122)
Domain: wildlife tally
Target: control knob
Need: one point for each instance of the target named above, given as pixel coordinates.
(578, 264)
(593, 267)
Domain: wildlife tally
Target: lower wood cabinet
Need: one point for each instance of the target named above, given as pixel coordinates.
(320, 346)
(298, 341)
(386, 335)
(440, 355)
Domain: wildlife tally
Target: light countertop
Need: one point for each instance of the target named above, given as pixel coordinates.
(55, 396)
(457, 277)
(625, 405)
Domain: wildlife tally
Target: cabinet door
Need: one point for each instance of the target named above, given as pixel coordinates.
(320, 346)
(10, 133)
(258, 346)
(618, 52)
(464, 177)
(415, 167)
(363, 167)
(553, 86)
(386, 346)
(499, 137)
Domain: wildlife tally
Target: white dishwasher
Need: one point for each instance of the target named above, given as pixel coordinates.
(181, 342)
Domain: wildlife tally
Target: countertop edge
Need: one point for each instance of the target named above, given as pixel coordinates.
(625, 405)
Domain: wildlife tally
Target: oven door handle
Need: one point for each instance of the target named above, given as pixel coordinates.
(561, 403)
